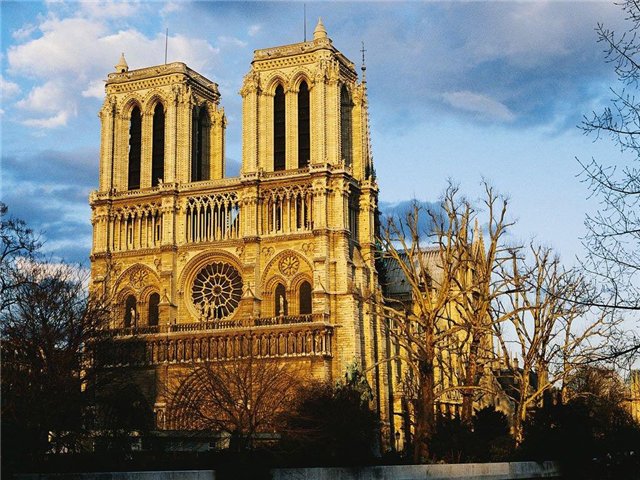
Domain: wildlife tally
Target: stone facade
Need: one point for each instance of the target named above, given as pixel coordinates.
(277, 262)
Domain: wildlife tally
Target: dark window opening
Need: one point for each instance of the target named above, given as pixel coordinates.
(200, 132)
(305, 299)
(135, 141)
(279, 132)
(304, 137)
(281, 300)
(345, 126)
(157, 149)
(130, 312)
(154, 309)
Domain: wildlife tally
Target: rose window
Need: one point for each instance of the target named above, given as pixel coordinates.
(289, 265)
(216, 291)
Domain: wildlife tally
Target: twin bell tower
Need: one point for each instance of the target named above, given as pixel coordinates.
(276, 264)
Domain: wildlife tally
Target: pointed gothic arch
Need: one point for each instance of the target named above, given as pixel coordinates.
(158, 145)
(304, 129)
(153, 314)
(135, 148)
(346, 135)
(281, 303)
(305, 303)
(130, 311)
(200, 143)
(279, 129)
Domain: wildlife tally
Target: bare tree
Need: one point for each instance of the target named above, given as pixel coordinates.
(443, 325)
(479, 289)
(242, 397)
(613, 239)
(47, 332)
(19, 244)
(551, 328)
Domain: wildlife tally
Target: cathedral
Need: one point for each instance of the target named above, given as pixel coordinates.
(277, 263)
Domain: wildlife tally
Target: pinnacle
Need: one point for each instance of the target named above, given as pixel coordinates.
(122, 66)
(320, 31)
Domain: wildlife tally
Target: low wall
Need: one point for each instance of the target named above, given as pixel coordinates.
(470, 471)
(467, 471)
(168, 475)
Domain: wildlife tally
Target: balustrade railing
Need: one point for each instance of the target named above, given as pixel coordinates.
(306, 338)
(219, 325)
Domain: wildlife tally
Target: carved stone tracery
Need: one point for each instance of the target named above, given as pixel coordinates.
(216, 291)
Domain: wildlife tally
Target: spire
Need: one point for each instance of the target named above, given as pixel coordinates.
(122, 66)
(476, 232)
(366, 147)
(477, 240)
(320, 31)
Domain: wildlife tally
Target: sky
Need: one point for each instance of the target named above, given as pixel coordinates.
(460, 91)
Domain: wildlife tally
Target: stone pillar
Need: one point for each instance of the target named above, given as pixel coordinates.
(291, 124)
(216, 145)
(146, 148)
(265, 131)
(183, 134)
(317, 102)
(250, 115)
(170, 144)
(107, 134)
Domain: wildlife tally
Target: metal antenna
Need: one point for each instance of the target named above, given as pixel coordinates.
(364, 66)
(166, 45)
(305, 21)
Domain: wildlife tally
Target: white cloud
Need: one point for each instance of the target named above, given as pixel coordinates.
(95, 89)
(529, 34)
(48, 97)
(109, 8)
(231, 41)
(8, 89)
(254, 30)
(24, 32)
(54, 121)
(75, 53)
(479, 103)
(66, 48)
(170, 7)
(53, 101)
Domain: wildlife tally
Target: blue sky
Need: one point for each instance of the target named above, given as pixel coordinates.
(457, 90)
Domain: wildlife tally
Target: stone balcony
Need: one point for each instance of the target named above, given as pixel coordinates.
(272, 337)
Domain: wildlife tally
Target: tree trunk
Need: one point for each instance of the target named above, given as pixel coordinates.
(425, 418)
(470, 381)
(521, 411)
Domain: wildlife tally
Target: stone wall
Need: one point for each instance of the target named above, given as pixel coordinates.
(168, 475)
(467, 471)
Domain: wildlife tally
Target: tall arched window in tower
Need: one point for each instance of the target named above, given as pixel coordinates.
(345, 125)
(279, 130)
(157, 147)
(304, 139)
(305, 298)
(135, 140)
(280, 299)
(130, 312)
(154, 309)
(200, 132)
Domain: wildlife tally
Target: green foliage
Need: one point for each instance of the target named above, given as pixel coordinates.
(593, 438)
(333, 425)
(486, 440)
